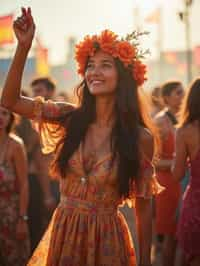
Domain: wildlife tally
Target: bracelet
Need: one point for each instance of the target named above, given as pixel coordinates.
(24, 217)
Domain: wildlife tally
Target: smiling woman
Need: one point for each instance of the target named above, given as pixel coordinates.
(101, 74)
(103, 151)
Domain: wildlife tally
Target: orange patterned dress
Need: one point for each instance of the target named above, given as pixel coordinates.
(87, 228)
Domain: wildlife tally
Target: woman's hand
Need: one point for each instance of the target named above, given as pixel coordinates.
(24, 28)
(21, 229)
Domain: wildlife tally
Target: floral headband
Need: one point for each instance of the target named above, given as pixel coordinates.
(126, 50)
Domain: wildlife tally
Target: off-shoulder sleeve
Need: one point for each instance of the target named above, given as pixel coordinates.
(147, 185)
(46, 121)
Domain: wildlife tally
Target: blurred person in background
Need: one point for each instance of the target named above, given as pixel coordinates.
(188, 152)
(103, 152)
(45, 87)
(156, 101)
(14, 235)
(44, 192)
(167, 202)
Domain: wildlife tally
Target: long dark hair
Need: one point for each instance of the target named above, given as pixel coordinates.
(190, 109)
(125, 136)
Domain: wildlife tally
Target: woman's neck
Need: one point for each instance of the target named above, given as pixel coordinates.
(105, 114)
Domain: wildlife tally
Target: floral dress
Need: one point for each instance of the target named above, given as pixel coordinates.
(87, 228)
(12, 251)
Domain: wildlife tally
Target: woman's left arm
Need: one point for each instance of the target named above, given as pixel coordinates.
(144, 200)
(21, 166)
(144, 226)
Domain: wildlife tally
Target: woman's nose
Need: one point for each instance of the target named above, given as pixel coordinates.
(96, 70)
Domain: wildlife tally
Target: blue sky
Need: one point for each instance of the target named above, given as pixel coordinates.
(60, 19)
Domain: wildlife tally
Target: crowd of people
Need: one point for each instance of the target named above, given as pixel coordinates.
(65, 168)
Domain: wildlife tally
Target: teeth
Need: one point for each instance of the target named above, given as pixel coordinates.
(96, 82)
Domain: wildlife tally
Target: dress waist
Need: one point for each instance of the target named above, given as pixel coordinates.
(96, 208)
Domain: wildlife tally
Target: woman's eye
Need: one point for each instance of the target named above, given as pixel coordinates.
(90, 66)
(107, 65)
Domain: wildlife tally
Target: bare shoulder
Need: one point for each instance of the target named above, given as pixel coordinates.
(146, 136)
(16, 142)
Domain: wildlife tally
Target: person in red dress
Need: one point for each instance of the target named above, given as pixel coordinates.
(167, 202)
(188, 153)
(14, 234)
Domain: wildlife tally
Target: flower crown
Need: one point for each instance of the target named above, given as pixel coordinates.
(126, 50)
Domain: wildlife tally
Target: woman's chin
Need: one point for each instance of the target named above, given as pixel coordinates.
(99, 92)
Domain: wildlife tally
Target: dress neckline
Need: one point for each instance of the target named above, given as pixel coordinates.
(100, 161)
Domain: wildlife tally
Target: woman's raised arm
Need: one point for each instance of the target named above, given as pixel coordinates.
(24, 29)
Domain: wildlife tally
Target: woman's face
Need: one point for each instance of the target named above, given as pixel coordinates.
(4, 118)
(175, 98)
(101, 74)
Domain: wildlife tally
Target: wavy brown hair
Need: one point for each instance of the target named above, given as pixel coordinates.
(131, 116)
(190, 109)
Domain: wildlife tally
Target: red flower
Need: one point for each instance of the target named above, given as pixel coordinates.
(125, 52)
(107, 41)
(83, 50)
(139, 72)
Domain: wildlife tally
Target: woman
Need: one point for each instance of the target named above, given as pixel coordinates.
(188, 152)
(103, 153)
(167, 202)
(14, 238)
(156, 101)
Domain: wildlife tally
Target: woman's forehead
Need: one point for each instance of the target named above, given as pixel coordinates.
(101, 56)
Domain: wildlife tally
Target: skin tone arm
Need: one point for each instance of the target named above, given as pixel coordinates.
(21, 166)
(181, 156)
(144, 209)
(24, 29)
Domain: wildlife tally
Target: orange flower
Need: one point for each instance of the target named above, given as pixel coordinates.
(125, 52)
(107, 37)
(107, 41)
(83, 50)
(139, 72)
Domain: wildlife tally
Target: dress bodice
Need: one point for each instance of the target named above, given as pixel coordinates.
(99, 184)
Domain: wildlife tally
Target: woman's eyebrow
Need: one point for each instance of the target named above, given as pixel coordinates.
(103, 60)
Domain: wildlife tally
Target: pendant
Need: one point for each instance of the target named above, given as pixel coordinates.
(83, 179)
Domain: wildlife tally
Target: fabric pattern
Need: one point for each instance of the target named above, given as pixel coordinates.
(12, 251)
(189, 223)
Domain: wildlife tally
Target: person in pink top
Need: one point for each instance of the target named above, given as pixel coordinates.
(188, 152)
(103, 151)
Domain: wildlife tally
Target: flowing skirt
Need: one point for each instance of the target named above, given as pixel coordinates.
(82, 233)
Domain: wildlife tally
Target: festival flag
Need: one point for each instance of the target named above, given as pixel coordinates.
(42, 66)
(153, 17)
(171, 57)
(6, 31)
(197, 56)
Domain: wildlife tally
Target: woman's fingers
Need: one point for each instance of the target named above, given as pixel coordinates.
(29, 16)
(21, 22)
(23, 11)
